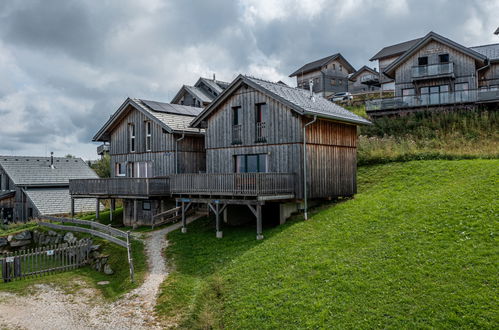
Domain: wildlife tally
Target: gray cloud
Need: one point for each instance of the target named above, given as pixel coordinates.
(69, 64)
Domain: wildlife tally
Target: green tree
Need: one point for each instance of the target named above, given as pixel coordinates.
(102, 166)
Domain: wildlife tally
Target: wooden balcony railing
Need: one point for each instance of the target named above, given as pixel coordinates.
(261, 132)
(424, 71)
(234, 184)
(124, 187)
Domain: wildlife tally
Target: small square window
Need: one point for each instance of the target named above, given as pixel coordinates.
(146, 206)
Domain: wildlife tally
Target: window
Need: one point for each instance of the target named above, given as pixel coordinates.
(340, 82)
(423, 60)
(407, 95)
(334, 66)
(333, 82)
(316, 81)
(341, 68)
(261, 114)
(461, 92)
(434, 95)
(148, 125)
(146, 206)
(236, 125)
(443, 58)
(131, 137)
(119, 169)
(251, 163)
(130, 168)
(142, 170)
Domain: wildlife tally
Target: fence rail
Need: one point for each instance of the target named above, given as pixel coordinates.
(119, 187)
(240, 184)
(43, 261)
(110, 234)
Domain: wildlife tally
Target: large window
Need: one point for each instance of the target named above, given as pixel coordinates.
(140, 170)
(119, 169)
(148, 125)
(461, 92)
(261, 114)
(131, 137)
(423, 60)
(434, 95)
(237, 125)
(251, 163)
(443, 58)
(408, 95)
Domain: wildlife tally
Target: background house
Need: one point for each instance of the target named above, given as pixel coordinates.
(364, 80)
(329, 75)
(34, 186)
(201, 94)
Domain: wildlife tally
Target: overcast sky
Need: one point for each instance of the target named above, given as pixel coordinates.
(66, 65)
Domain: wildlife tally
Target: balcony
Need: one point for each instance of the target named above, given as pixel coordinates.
(432, 71)
(102, 149)
(370, 79)
(234, 184)
(120, 187)
(261, 132)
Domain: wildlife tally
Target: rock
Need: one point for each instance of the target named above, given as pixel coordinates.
(20, 243)
(94, 247)
(25, 235)
(70, 238)
(104, 259)
(52, 233)
(97, 266)
(3, 241)
(108, 270)
(10, 238)
(95, 255)
(103, 283)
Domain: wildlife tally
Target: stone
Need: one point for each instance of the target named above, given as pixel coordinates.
(36, 237)
(70, 238)
(108, 270)
(20, 243)
(103, 283)
(104, 259)
(10, 238)
(94, 247)
(3, 241)
(25, 235)
(52, 233)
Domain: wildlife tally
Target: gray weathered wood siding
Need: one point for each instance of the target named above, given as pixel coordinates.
(162, 154)
(490, 76)
(332, 149)
(464, 68)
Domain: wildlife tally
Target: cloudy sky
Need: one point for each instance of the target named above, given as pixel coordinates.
(66, 65)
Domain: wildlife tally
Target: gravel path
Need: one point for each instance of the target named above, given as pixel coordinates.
(51, 308)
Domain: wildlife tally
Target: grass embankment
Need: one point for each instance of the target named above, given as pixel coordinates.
(416, 248)
(429, 135)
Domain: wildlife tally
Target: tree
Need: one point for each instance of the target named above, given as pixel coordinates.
(102, 166)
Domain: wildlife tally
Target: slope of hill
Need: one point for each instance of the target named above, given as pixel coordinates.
(416, 247)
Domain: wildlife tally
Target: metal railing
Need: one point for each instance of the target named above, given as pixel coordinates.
(422, 71)
(240, 184)
(261, 132)
(434, 99)
(103, 148)
(237, 132)
(369, 77)
(119, 187)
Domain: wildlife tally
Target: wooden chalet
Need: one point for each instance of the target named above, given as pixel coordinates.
(364, 80)
(201, 94)
(329, 75)
(35, 186)
(434, 72)
(261, 140)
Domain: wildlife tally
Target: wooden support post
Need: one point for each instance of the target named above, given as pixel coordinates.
(259, 235)
(112, 207)
(72, 208)
(135, 214)
(217, 217)
(97, 210)
(184, 223)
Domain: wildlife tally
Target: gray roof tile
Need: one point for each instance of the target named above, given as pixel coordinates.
(490, 51)
(53, 201)
(396, 49)
(29, 171)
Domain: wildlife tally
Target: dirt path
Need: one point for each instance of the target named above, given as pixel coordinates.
(51, 308)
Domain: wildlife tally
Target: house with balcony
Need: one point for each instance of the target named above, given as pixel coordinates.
(438, 73)
(35, 186)
(364, 80)
(329, 75)
(148, 141)
(266, 149)
(201, 94)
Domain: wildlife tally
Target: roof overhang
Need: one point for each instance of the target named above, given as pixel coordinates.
(432, 36)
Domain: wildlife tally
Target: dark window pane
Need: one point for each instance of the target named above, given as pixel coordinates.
(423, 60)
(236, 116)
(240, 164)
(444, 58)
(262, 163)
(252, 163)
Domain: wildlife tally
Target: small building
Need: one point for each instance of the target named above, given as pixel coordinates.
(329, 75)
(364, 80)
(201, 94)
(35, 186)
(437, 73)
(148, 141)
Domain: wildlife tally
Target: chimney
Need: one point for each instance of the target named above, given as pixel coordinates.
(375, 69)
(51, 159)
(214, 77)
(311, 87)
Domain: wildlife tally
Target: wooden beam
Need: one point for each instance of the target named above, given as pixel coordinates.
(72, 208)
(135, 213)
(184, 223)
(112, 207)
(259, 235)
(97, 209)
(217, 217)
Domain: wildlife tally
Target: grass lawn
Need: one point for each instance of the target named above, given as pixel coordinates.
(119, 282)
(416, 248)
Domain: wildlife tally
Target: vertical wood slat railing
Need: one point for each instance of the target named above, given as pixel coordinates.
(120, 186)
(261, 133)
(241, 184)
(44, 261)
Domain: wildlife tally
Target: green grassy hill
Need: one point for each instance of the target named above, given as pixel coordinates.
(416, 248)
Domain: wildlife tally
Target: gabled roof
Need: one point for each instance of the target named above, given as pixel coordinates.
(36, 171)
(490, 51)
(217, 85)
(53, 201)
(195, 92)
(315, 65)
(423, 41)
(397, 49)
(364, 68)
(174, 118)
(297, 99)
(497, 31)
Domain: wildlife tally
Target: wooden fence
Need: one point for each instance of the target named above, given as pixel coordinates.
(108, 233)
(119, 187)
(43, 261)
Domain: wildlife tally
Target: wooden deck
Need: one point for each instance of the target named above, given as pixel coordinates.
(120, 187)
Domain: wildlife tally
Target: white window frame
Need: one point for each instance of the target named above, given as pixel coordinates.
(132, 146)
(148, 135)
(120, 169)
